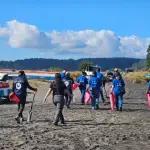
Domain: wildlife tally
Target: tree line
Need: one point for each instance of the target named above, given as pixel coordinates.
(70, 64)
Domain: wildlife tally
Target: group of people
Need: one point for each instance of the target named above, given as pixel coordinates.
(61, 88)
(95, 85)
(62, 94)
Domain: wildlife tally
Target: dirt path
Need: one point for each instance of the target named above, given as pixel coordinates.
(84, 130)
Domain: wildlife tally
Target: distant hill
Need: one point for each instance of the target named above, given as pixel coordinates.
(70, 64)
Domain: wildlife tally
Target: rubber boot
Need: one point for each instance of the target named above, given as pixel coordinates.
(120, 109)
(97, 106)
(22, 119)
(17, 119)
(68, 107)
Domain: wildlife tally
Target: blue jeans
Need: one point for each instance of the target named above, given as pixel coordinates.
(101, 94)
(94, 94)
(82, 95)
(118, 101)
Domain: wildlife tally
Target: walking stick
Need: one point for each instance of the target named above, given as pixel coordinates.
(30, 111)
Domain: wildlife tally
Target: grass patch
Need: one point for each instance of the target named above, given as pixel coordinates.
(136, 77)
(74, 75)
(33, 82)
(37, 83)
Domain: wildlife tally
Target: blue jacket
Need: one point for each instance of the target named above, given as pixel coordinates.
(118, 85)
(62, 75)
(101, 77)
(149, 84)
(83, 81)
(68, 82)
(20, 85)
(94, 83)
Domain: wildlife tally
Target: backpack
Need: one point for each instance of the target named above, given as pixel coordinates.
(122, 89)
(68, 84)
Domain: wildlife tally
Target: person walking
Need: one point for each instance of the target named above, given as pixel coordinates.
(100, 76)
(20, 85)
(83, 81)
(94, 86)
(68, 82)
(118, 89)
(59, 89)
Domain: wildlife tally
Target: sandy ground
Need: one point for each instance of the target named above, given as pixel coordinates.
(84, 130)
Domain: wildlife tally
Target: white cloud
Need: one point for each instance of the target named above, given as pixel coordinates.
(86, 43)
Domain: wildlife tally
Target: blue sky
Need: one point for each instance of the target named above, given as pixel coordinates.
(123, 17)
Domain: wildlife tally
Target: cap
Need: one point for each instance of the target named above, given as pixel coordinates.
(116, 69)
(21, 73)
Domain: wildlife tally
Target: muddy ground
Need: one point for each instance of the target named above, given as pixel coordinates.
(84, 130)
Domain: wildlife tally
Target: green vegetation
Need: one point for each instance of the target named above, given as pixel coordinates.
(55, 69)
(148, 57)
(70, 64)
(136, 77)
(84, 64)
(139, 65)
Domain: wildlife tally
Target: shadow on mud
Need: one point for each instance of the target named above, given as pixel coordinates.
(89, 108)
(102, 109)
(73, 108)
(79, 120)
(73, 123)
(134, 110)
(91, 123)
(135, 103)
(80, 104)
(43, 121)
(12, 103)
(15, 127)
(134, 98)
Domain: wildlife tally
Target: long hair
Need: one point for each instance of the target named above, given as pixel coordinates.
(67, 75)
(58, 81)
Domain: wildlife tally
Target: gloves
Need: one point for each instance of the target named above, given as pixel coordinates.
(35, 90)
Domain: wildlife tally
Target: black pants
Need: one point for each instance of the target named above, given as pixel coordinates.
(21, 105)
(68, 99)
(59, 103)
